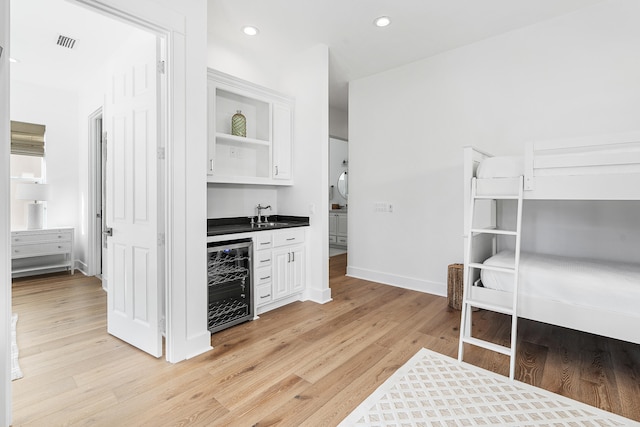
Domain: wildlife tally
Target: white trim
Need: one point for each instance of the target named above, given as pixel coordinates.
(5, 223)
(319, 296)
(435, 288)
(93, 194)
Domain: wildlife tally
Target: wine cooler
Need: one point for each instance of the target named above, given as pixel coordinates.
(229, 280)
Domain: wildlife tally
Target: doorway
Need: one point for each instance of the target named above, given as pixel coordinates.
(73, 143)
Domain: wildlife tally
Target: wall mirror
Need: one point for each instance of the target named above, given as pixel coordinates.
(343, 185)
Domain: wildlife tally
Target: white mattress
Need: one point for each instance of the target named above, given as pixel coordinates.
(501, 167)
(583, 282)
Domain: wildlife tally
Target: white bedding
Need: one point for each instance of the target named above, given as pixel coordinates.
(501, 167)
(606, 285)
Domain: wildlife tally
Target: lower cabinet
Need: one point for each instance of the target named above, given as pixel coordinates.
(288, 271)
(279, 263)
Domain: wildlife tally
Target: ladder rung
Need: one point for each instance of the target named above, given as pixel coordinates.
(494, 231)
(491, 307)
(498, 197)
(488, 345)
(492, 267)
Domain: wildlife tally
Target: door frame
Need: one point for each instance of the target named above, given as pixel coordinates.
(94, 237)
(171, 25)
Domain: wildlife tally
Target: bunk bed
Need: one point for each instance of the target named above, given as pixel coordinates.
(593, 296)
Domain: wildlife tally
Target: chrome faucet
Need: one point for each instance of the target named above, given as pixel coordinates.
(260, 209)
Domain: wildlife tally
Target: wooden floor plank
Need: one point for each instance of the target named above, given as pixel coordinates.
(302, 364)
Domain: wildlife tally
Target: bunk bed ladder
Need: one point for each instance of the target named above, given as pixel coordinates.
(468, 302)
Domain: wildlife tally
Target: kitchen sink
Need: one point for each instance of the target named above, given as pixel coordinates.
(271, 224)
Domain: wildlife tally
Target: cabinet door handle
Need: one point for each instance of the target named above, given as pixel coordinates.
(276, 170)
(289, 257)
(211, 165)
(293, 256)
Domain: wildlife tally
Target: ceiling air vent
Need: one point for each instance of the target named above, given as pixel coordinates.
(65, 41)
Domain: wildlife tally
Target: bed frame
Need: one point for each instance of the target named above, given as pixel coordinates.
(578, 169)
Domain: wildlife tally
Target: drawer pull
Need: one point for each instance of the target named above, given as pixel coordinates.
(265, 243)
(265, 296)
(266, 260)
(290, 239)
(60, 236)
(16, 251)
(265, 278)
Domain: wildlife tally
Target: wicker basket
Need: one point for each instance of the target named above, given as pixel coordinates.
(454, 286)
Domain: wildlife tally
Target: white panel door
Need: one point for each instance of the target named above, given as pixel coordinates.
(133, 312)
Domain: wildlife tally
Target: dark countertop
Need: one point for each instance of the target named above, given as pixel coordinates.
(242, 224)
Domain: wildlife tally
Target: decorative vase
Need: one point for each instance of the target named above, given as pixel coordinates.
(239, 124)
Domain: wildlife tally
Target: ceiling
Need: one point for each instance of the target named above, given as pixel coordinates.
(419, 29)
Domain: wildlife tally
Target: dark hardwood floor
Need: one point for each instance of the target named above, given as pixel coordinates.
(303, 364)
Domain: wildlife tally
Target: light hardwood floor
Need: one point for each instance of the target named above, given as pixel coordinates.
(303, 364)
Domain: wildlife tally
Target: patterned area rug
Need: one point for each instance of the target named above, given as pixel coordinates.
(15, 367)
(435, 390)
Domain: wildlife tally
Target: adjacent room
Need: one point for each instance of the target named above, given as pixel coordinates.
(238, 212)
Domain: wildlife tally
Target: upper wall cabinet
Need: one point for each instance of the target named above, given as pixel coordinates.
(264, 155)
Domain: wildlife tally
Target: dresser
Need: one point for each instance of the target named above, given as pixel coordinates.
(41, 251)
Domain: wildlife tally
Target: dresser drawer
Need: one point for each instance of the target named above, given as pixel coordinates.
(288, 237)
(264, 294)
(263, 275)
(263, 241)
(20, 251)
(19, 238)
(263, 259)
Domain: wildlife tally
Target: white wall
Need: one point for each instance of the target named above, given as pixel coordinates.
(338, 123)
(228, 200)
(571, 76)
(58, 111)
(306, 77)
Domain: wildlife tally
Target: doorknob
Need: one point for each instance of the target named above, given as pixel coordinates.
(108, 232)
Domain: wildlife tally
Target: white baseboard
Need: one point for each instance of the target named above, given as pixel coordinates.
(81, 267)
(319, 296)
(425, 286)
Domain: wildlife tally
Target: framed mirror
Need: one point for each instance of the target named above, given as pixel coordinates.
(343, 184)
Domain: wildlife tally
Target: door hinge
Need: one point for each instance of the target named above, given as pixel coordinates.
(161, 67)
(160, 153)
(160, 239)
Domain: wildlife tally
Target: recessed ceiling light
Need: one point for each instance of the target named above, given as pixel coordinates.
(382, 21)
(250, 31)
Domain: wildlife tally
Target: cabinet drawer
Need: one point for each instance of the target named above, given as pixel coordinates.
(263, 241)
(288, 237)
(264, 294)
(40, 249)
(332, 239)
(341, 240)
(263, 259)
(41, 237)
(263, 275)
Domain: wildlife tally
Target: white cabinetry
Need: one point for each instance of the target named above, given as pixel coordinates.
(38, 251)
(279, 267)
(264, 156)
(338, 229)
